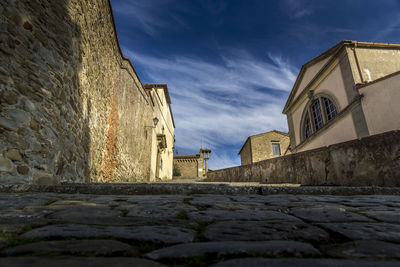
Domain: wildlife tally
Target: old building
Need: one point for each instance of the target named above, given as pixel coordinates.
(162, 133)
(348, 92)
(192, 165)
(264, 146)
(72, 107)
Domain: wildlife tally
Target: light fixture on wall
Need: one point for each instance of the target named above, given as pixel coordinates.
(155, 121)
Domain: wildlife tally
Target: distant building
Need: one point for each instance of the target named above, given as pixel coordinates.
(162, 132)
(264, 146)
(350, 91)
(192, 165)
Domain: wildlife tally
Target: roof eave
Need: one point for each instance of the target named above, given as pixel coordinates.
(313, 61)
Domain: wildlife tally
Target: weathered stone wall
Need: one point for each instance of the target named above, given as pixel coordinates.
(245, 153)
(187, 167)
(261, 145)
(370, 161)
(72, 108)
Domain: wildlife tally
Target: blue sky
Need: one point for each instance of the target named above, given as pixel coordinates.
(230, 65)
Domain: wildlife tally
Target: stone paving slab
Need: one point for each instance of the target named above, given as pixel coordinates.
(239, 248)
(328, 214)
(228, 215)
(162, 234)
(262, 262)
(70, 204)
(68, 261)
(262, 230)
(388, 216)
(198, 229)
(365, 231)
(3, 243)
(366, 249)
(74, 247)
(154, 211)
(87, 216)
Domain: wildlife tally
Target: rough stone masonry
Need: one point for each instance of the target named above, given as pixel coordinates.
(72, 107)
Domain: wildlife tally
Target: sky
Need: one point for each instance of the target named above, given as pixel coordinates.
(231, 64)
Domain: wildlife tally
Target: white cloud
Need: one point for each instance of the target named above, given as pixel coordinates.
(220, 105)
(297, 8)
(150, 16)
(390, 27)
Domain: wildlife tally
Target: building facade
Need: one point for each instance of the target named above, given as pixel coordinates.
(189, 166)
(348, 92)
(72, 107)
(264, 146)
(162, 132)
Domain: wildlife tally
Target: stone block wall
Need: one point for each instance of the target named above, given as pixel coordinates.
(188, 167)
(72, 107)
(370, 161)
(261, 145)
(245, 153)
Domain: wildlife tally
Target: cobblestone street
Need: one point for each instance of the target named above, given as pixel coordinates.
(60, 229)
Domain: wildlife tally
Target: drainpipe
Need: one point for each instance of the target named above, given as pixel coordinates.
(358, 62)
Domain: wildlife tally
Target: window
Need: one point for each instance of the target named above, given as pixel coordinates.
(317, 115)
(307, 126)
(321, 111)
(330, 108)
(276, 149)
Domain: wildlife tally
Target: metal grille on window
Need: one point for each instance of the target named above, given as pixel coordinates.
(330, 108)
(317, 115)
(307, 127)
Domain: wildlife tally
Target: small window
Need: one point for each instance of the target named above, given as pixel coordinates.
(276, 149)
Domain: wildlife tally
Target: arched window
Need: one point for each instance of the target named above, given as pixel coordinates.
(321, 110)
(330, 108)
(307, 126)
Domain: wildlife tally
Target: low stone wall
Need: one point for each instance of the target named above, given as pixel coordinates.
(370, 161)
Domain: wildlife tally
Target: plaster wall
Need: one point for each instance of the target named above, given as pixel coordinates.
(381, 111)
(310, 74)
(333, 86)
(166, 127)
(374, 63)
(340, 131)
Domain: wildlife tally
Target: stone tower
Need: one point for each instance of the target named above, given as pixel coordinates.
(205, 155)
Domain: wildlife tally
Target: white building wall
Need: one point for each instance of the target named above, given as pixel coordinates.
(381, 105)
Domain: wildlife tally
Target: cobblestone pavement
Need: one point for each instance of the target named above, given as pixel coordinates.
(57, 229)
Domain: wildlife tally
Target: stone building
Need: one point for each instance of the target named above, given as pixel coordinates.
(264, 146)
(72, 106)
(163, 138)
(348, 92)
(192, 165)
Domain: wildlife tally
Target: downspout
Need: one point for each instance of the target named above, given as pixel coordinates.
(358, 62)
